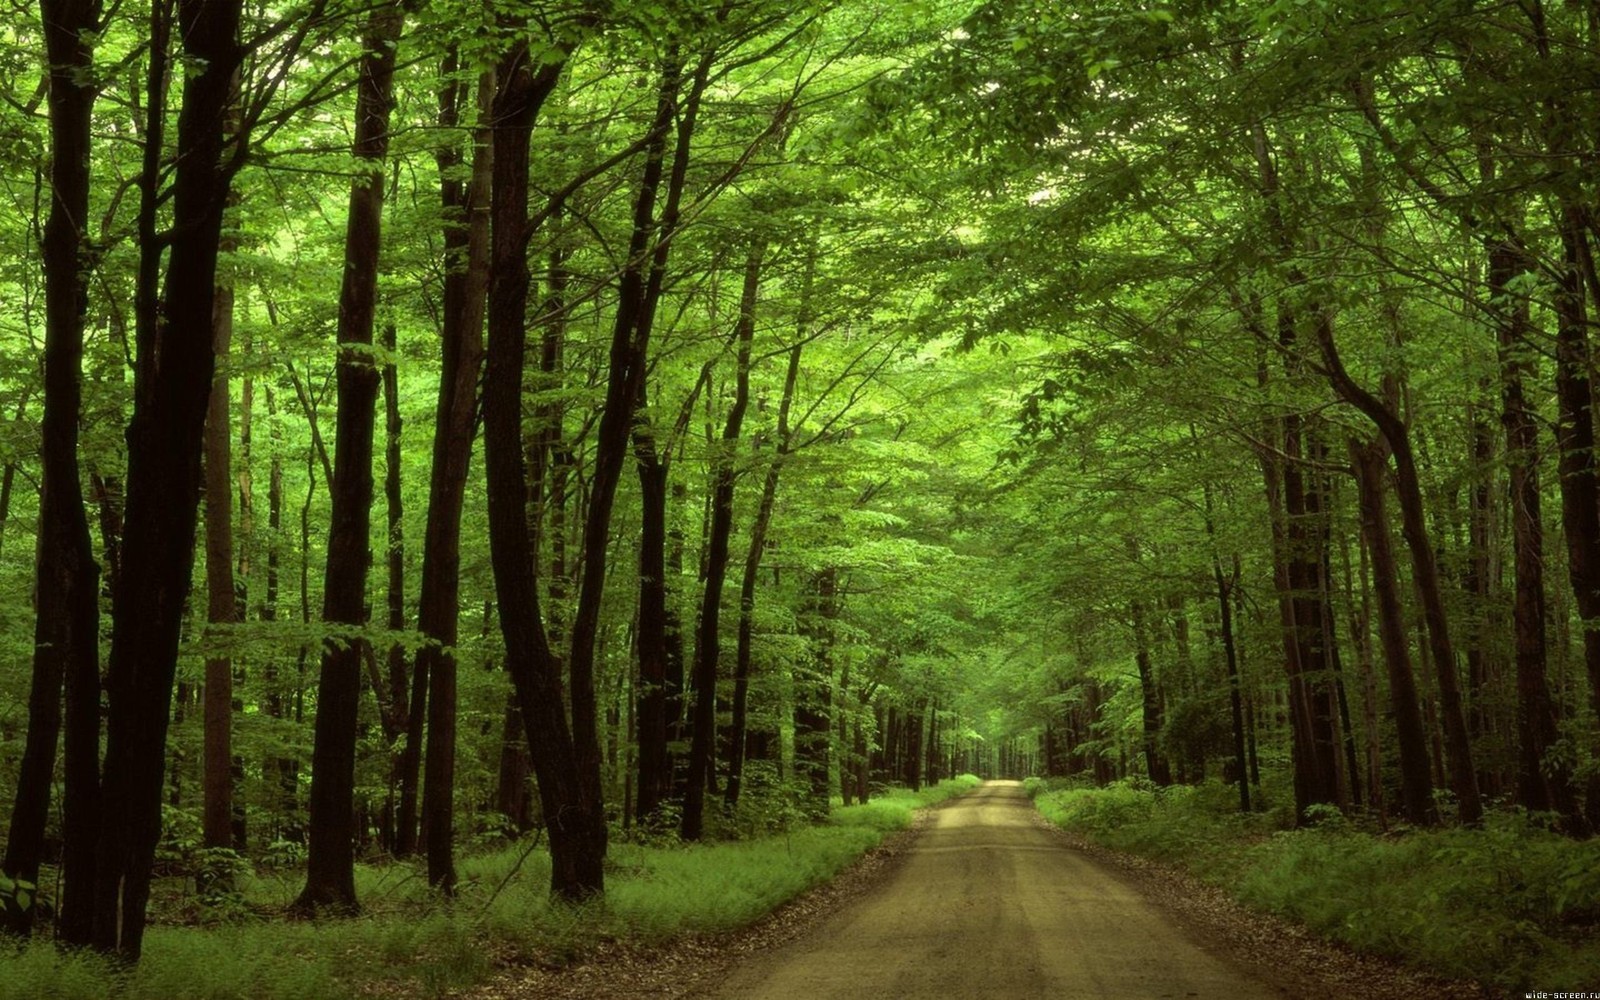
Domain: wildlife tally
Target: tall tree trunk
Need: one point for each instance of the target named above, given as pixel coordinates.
(758, 544)
(1541, 784)
(466, 285)
(1580, 485)
(1305, 501)
(567, 773)
(1416, 787)
(707, 647)
(913, 758)
(221, 598)
(1155, 763)
(655, 768)
(1230, 650)
(66, 626)
(330, 861)
(1478, 582)
(395, 695)
(282, 772)
(813, 692)
(163, 484)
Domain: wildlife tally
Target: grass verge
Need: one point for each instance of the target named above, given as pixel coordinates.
(1511, 904)
(420, 945)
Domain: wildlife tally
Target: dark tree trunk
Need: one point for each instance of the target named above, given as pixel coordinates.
(813, 693)
(66, 627)
(565, 759)
(1154, 762)
(758, 545)
(1284, 505)
(466, 266)
(330, 861)
(708, 644)
(1478, 582)
(394, 693)
(1358, 597)
(513, 798)
(655, 766)
(163, 484)
(1416, 785)
(283, 769)
(1230, 651)
(1305, 504)
(1580, 486)
(1541, 784)
(912, 775)
(221, 599)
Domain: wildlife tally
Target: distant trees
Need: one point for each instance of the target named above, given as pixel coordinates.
(1361, 256)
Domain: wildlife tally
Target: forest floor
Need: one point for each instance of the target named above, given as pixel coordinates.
(983, 898)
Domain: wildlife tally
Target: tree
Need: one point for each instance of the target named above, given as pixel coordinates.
(330, 875)
(66, 639)
(163, 482)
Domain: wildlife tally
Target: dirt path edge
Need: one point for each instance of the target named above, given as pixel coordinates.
(687, 965)
(1276, 950)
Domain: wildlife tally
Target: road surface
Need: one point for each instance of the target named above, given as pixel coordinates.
(990, 904)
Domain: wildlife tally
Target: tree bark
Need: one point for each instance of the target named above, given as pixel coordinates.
(567, 773)
(1416, 786)
(330, 861)
(66, 626)
(221, 599)
(758, 545)
(707, 647)
(163, 483)
(1424, 569)
(1580, 485)
(1541, 785)
(466, 284)
(813, 692)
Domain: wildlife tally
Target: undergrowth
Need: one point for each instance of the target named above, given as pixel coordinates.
(1510, 904)
(425, 946)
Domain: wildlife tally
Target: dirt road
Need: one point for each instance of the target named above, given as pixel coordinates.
(990, 904)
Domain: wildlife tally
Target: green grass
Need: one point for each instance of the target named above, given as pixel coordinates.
(1510, 904)
(425, 946)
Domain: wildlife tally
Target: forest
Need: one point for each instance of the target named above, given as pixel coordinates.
(458, 454)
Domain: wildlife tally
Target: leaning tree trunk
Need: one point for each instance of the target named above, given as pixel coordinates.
(66, 628)
(163, 482)
(1416, 783)
(568, 776)
(1424, 568)
(330, 861)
